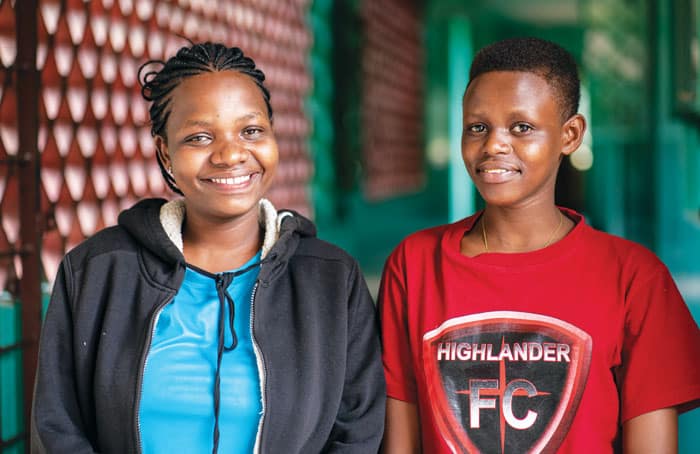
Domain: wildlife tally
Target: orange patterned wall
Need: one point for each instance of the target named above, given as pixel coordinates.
(392, 67)
(97, 155)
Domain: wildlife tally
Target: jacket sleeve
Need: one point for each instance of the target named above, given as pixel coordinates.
(359, 426)
(57, 425)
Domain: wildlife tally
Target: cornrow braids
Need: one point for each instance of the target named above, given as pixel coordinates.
(544, 58)
(157, 85)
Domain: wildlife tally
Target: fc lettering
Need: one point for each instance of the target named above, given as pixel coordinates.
(478, 400)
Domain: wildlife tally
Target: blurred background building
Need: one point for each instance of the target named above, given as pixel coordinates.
(367, 114)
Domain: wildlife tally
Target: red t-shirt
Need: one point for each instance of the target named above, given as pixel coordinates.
(545, 350)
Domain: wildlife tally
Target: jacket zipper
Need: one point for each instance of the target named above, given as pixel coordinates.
(142, 368)
(261, 369)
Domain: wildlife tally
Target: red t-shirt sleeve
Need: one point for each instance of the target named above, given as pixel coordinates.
(396, 353)
(661, 352)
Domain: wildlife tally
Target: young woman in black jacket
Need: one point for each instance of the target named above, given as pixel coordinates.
(212, 322)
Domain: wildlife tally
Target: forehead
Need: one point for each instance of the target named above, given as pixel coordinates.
(517, 90)
(221, 90)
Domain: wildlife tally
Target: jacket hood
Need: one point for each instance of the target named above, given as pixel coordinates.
(156, 224)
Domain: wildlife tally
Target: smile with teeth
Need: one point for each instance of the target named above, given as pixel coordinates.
(496, 170)
(231, 180)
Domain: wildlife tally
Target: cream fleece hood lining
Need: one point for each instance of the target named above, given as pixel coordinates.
(172, 215)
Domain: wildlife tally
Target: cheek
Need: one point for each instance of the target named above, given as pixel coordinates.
(537, 152)
(469, 167)
(470, 150)
(269, 157)
(186, 161)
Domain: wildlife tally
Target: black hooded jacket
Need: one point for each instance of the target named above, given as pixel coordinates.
(313, 322)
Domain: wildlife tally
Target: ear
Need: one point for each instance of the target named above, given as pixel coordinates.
(572, 133)
(162, 151)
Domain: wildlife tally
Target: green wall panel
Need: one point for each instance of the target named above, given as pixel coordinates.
(459, 59)
(10, 373)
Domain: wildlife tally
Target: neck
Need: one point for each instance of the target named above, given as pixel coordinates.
(221, 246)
(506, 230)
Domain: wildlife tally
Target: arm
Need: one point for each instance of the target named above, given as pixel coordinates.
(56, 421)
(658, 379)
(655, 432)
(359, 425)
(402, 432)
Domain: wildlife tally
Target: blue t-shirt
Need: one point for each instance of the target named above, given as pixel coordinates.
(177, 400)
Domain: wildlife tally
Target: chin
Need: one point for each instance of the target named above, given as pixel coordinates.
(233, 210)
(499, 200)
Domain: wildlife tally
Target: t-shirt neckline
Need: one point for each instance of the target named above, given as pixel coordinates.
(451, 244)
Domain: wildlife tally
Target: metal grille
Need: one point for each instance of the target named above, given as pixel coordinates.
(19, 232)
(10, 266)
(95, 150)
(392, 100)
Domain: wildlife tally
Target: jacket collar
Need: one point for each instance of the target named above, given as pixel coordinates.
(172, 215)
(156, 224)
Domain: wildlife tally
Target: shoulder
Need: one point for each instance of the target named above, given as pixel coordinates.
(297, 237)
(133, 229)
(630, 258)
(425, 241)
(111, 240)
(318, 249)
(430, 234)
(617, 246)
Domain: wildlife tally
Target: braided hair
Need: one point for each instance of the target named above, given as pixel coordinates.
(157, 85)
(544, 58)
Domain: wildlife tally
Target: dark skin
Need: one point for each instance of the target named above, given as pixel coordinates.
(514, 138)
(222, 151)
(512, 144)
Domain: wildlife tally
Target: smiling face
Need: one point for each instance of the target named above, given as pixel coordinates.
(513, 137)
(220, 145)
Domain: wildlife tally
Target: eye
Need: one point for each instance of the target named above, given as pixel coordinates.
(198, 139)
(476, 128)
(522, 128)
(252, 132)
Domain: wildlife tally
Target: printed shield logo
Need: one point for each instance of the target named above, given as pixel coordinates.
(505, 382)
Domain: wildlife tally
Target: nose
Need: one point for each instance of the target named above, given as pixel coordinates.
(229, 153)
(497, 143)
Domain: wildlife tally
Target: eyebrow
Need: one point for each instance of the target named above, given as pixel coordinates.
(203, 123)
(197, 123)
(251, 116)
(514, 113)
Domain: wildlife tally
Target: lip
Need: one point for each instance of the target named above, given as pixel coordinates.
(496, 172)
(229, 183)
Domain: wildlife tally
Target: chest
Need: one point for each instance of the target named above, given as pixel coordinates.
(514, 352)
(550, 305)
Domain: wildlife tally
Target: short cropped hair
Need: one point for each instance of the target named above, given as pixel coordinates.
(544, 58)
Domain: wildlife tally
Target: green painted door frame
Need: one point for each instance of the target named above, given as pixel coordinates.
(459, 56)
(677, 198)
